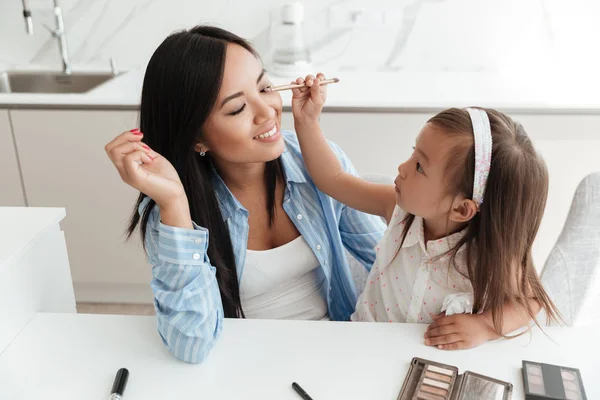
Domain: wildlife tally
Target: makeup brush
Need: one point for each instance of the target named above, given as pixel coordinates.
(297, 86)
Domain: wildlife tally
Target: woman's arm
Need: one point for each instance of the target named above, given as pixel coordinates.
(186, 294)
(323, 165)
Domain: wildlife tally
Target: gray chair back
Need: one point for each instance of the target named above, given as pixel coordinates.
(571, 275)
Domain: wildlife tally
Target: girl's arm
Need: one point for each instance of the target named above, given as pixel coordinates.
(322, 164)
(471, 330)
(465, 331)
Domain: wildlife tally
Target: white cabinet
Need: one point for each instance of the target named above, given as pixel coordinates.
(570, 144)
(64, 165)
(11, 190)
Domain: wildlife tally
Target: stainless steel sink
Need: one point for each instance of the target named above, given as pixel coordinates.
(50, 82)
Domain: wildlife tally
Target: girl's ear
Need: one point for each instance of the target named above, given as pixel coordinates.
(463, 209)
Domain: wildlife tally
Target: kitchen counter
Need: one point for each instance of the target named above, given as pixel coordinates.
(378, 92)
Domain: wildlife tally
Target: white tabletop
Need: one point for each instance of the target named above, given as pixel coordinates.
(21, 225)
(70, 356)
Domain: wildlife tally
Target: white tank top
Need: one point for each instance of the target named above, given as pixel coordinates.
(284, 283)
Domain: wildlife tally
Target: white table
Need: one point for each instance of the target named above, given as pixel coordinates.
(67, 356)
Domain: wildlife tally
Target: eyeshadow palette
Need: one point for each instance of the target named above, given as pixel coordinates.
(546, 381)
(429, 380)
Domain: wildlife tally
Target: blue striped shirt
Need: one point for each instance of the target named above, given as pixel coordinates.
(186, 295)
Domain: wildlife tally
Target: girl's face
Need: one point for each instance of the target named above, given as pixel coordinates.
(244, 125)
(421, 184)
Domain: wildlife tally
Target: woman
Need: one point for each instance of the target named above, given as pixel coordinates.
(231, 223)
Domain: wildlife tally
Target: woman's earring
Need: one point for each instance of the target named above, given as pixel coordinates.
(202, 153)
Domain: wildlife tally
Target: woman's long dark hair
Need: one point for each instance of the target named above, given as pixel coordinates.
(181, 85)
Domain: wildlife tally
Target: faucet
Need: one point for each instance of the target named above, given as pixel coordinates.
(59, 32)
(27, 16)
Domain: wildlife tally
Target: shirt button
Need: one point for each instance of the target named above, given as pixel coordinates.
(198, 241)
(287, 200)
(318, 247)
(299, 216)
(196, 256)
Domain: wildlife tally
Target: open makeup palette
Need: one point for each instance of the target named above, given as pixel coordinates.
(546, 381)
(429, 380)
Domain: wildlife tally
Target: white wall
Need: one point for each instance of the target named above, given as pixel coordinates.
(426, 35)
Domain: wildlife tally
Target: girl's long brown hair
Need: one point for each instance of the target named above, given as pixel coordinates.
(499, 238)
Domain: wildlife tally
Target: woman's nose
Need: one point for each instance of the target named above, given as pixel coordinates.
(263, 112)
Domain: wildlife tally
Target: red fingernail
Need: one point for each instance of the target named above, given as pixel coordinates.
(138, 133)
(134, 130)
(146, 147)
(150, 157)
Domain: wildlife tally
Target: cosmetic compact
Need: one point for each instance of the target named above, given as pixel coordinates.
(429, 380)
(552, 382)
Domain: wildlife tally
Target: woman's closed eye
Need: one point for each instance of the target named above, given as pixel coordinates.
(238, 110)
(263, 90)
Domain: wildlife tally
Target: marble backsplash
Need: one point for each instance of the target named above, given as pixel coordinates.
(424, 35)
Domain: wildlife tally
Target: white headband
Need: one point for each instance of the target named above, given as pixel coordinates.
(483, 151)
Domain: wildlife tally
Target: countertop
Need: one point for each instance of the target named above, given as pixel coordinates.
(543, 92)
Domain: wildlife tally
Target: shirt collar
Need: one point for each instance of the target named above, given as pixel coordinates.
(293, 171)
(437, 247)
(414, 231)
(293, 166)
(227, 201)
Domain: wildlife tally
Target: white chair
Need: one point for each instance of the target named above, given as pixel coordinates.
(34, 268)
(571, 275)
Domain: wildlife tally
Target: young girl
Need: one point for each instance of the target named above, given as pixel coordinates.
(462, 217)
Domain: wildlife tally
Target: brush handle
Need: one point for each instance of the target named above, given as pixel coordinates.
(298, 86)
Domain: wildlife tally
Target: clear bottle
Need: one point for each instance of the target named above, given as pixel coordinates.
(291, 55)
